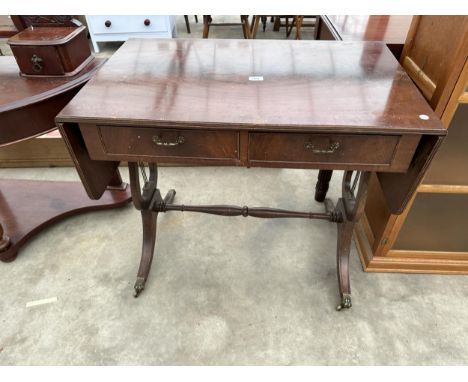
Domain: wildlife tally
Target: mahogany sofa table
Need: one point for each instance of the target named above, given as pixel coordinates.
(254, 103)
(28, 107)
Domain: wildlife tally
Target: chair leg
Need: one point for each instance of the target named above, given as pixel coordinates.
(245, 27)
(206, 25)
(187, 24)
(299, 20)
(277, 24)
(255, 25)
(196, 19)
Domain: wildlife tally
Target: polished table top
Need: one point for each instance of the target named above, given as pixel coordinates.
(392, 29)
(23, 110)
(254, 84)
(17, 91)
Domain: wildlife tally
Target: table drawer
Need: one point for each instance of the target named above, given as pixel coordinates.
(127, 24)
(171, 145)
(291, 149)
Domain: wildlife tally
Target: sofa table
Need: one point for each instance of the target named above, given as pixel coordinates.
(28, 107)
(254, 103)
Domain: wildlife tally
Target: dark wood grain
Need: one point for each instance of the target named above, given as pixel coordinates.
(27, 108)
(315, 85)
(374, 152)
(325, 105)
(28, 206)
(61, 51)
(24, 21)
(17, 92)
(143, 143)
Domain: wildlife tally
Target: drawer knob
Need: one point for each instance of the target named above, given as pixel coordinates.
(108, 23)
(159, 141)
(330, 150)
(147, 22)
(36, 63)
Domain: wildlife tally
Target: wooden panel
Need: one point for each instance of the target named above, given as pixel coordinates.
(334, 150)
(434, 55)
(94, 175)
(407, 261)
(399, 188)
(436, 222)
(449, 166)
(36, 152)
(317, 85)
(51, 64)
(133, 143)
(377, 214)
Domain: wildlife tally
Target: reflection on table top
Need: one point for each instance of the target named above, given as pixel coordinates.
(390, 29)
(254, 83)
(17, 91)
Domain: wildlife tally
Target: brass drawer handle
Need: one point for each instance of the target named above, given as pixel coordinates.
(331, 149)
(36, 63)
(159, 142)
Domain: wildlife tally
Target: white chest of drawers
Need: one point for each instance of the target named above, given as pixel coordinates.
(121, 28)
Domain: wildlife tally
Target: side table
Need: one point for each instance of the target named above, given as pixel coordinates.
(28, 107)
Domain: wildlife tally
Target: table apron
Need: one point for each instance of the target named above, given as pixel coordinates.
(353, 151)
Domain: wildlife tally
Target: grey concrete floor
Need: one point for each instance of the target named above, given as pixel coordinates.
(230, 291)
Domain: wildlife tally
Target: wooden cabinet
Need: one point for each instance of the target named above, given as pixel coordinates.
(431, 234)
(121, 28)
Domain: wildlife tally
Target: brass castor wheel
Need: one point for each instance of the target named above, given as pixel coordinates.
(345, 302)
(139, 286)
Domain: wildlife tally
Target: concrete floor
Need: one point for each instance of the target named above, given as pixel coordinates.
(229, 291)
(223, 291)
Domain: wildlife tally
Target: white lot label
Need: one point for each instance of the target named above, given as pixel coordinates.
(41, 302)
(256, 78)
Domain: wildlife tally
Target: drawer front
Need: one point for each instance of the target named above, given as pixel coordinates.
(127, 24)
(38, 60)
(290, 149)
(129, 143)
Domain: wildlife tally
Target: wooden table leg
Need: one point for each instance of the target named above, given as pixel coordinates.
(351, 208)
(322, 185)
(144, 200)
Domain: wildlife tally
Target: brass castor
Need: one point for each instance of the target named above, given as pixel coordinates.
(139, 286)
(345, 302)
